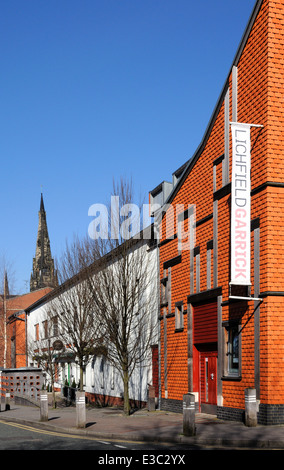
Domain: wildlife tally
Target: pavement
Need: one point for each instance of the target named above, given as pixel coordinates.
(149, 426)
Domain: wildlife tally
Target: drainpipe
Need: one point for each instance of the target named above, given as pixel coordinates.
(26, 338)
(159, 323)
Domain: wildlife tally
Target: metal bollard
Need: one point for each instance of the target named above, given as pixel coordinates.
(189, 428)
(250, 407)
(151, 398)
(7, 401)
(80, 410)
(43, 406)
(1, 403)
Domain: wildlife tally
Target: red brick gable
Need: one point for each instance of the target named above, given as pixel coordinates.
(16, 331)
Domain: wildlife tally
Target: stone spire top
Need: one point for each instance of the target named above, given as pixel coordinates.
(43, 274)
(41, 204)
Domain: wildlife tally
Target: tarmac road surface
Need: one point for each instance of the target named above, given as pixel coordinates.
(17, 436)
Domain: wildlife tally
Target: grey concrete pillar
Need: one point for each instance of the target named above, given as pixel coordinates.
(250, 407)
(151, 398)
(43, 405)
(80, 410)
(189, 428)
(7, 401)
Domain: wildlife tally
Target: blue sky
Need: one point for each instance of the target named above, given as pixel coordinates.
(92, 90)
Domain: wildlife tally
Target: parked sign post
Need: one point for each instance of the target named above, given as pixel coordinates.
(80, 410)
(189, 428)
(43, 405)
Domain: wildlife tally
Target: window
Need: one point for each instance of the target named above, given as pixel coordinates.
(209, 263)
(45, 329)
(196, 255)
(233, 349)
(186, 225)
(55, 326)
(179, 316)
(164, 291)
(37, 332)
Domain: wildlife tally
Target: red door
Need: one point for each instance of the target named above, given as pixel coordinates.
(211, 380)
(208, 376)
(205, 339)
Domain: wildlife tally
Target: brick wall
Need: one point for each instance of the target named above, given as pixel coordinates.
(260, 101)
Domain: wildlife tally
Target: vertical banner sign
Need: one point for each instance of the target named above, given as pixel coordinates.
(240, 210)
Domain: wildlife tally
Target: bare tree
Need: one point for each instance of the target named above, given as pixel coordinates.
(124, 287)
(72, 306)
(42, 349)
(106, 303)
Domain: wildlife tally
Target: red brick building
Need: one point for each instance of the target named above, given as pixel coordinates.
(13, 309)
(222, 294)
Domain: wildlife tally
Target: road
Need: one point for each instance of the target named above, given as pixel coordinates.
(16, 436)
(125, 454)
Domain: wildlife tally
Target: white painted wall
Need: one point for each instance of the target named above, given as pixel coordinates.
(100, 377)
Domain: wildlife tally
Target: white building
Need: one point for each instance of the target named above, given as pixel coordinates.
(102, 381)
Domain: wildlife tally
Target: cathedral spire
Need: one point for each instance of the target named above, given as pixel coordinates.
(41, 204)
(43, 274)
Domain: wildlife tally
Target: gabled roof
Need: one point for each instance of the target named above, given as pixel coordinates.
(145, 234)
(18, 303)
(191, 162)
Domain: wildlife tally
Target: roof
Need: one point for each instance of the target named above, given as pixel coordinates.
(21, 302)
